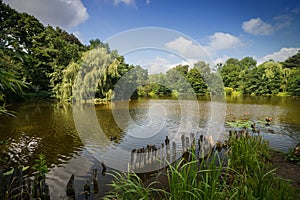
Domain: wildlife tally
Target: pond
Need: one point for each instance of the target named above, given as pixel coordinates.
(72, 142)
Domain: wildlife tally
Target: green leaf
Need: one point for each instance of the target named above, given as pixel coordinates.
(8, 172)
(25, 168)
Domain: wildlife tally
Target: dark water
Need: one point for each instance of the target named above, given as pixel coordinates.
(74, 145)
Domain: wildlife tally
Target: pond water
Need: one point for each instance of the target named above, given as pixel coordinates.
(73, 143)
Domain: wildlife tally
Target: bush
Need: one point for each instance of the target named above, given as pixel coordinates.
(228, 90)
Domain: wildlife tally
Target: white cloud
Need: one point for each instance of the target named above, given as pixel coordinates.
(193, 52)
(186, 48)
(160, 60)
(282, 21)
(157, 65)
(257, 26)
(279, 56)
(126, 2)
(163, 64)
(157, 68)
(160, 64)
(221, 59)
(62, 13)
(219, 41)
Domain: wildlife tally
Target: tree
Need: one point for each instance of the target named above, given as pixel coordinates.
(294, 82)
(247, 63)
(156, 86)
(230, 72)
(39, 53)
(128, 84)
(177, 79)
(64, 89)
(212, 80)
(293, 61)
(96, 43)
(292, 74)
(92, 74)
(196, 80)
(264, 79)
(9, 82)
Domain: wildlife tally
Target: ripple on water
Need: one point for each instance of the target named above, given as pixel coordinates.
(50, 130)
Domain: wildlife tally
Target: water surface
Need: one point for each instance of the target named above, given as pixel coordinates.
(49, 128)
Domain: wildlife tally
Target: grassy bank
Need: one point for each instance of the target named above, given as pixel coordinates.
(245, 171)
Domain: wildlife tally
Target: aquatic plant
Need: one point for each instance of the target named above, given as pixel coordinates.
(294, 154)
(40, 166)
(243, 173)
(15, 184)
(245, 152)
(240, 124)
(130, 186)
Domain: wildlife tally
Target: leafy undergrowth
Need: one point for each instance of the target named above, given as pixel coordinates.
(294, 154)
(243, 173)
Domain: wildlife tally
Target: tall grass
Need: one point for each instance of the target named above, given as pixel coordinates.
(130, 186)
(243, 173)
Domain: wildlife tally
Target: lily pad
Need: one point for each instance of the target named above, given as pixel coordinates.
(240, 124)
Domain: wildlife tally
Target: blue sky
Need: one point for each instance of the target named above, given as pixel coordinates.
(263, 29)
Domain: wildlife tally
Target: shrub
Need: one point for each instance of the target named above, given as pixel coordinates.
(228, 90)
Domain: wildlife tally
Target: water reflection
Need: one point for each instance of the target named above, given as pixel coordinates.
(40, 128)
(49, 128)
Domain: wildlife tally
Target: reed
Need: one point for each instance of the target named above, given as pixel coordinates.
(243, 173)
(130, 186)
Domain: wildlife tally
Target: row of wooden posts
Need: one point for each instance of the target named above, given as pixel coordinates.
(155, 157)
(140, 158)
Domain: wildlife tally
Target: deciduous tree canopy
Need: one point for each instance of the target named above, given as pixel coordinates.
(48, 60)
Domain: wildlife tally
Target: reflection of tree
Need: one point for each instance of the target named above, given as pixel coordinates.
(41, 128)
(107, 122)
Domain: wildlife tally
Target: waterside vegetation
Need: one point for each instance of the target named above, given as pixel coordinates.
(44, 62)
(244, 171)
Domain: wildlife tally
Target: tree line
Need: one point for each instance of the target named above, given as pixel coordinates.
(38, 61)
(246, 77)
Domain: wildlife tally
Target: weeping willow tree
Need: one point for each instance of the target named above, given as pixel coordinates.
(64, 90)
(92, 74)
(95, 75)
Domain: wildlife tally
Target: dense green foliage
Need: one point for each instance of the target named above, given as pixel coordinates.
(267, 78)
(48, 60)
(180, 80)
(34, 53)
(244, 174)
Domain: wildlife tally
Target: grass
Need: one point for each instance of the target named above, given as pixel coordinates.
(243, 173)
(130, 186)
(17, 185)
